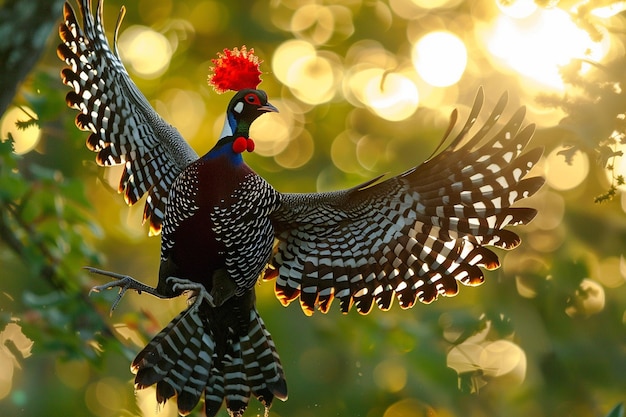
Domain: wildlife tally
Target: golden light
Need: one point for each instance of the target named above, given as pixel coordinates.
(610, 10)
(6, 374)
(146, 401)
(409, 9)
(25, 140)
(288, 53)
(589, 299)
(312, 80)
(311, 77)
(12, 335)
(392, 96)
(440, 58)
(273, 131)
(464, 357)
(536, 46)
(408, 407)
(517, 8)
(184, 109)
(390, 375)
(315, 22)
(563, 176)
(343, 152)
(298, 152)
(619, 166)
(319, 24)
(611, 271)
(146, 51)
(494, 358)
(503, 357)
(435, 4)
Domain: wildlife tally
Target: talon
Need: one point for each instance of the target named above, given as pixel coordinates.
(124, 283)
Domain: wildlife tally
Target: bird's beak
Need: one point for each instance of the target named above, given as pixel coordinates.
(268, 108)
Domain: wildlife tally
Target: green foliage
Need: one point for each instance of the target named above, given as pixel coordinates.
(618, 411)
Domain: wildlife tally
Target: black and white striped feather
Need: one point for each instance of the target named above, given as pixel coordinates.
(125, 129)
(185, 360)
(413, 236)
(245, 229)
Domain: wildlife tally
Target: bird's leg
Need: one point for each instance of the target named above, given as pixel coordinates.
(124, 283)
(198, 291)
(222, 289)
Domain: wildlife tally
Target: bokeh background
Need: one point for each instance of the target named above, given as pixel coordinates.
(364, 87)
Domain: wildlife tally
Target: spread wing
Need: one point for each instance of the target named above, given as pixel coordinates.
(414, 236)
(125, 129)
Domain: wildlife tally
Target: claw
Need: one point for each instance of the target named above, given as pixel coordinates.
(124, 283)
(199, 293)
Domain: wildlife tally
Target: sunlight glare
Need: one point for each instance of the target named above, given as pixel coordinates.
(25, 140)
(589, 299)
(618, 163)
(312, 77)
(440, 58)
(273, 132)
(611, 271)
(6, 373)
(392, 96)
(287, 54)
(312, 80)
(146, 51)
(182, 108)
(503, 357)
(517, 9)
(563, 176)
(610, 10)
(538, 45)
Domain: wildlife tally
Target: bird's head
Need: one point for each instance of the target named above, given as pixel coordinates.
(244, 108)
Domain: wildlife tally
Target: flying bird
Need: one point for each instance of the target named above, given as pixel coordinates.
(408, 238)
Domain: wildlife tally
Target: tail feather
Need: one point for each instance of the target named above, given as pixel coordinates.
(214, 393)
(263, 366)
(187, 359)
(192, 390)
(236, 384)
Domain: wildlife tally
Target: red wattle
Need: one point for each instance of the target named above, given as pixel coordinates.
(240, 144)
(250, 145)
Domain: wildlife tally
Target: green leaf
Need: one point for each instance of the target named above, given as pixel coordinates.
(617, 411)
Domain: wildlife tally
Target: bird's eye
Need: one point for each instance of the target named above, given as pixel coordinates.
(253, 99)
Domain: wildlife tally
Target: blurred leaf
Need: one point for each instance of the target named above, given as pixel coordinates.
(617, 411)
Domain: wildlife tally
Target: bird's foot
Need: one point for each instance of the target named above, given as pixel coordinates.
(198, 291)
(123, 282)
(223, 287)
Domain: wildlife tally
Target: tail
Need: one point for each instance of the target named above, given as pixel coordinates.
(210, 351)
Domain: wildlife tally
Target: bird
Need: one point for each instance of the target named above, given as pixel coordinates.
(409, 238)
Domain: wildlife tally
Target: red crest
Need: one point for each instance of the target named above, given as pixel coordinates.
(235, 70)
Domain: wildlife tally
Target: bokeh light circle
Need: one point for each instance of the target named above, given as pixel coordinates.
(392, 96)
(146, 51)
(26, 139)
(440, 58)
(562, 175)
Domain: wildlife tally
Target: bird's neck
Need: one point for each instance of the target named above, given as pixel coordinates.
(224, 147)
(233, 127)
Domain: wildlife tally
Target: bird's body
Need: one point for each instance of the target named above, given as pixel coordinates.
(207, 210)
(409, 238)
(217, 233)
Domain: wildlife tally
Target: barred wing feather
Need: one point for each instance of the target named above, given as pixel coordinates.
(413, 236)
(125, 129)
